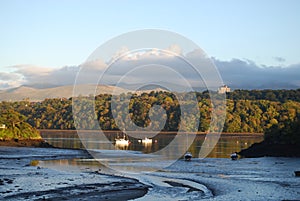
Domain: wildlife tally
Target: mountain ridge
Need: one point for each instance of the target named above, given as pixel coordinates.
(34, 93)
(39, 94)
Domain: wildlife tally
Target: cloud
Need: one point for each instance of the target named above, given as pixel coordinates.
(175, 48)
(31, 73)
(279, 59)
(36, 75)
(39, 76)
(163, 68)
(10, 84)
(248, 75)
(95, 65)
(10, 80)
(6, 85)
(4, 76)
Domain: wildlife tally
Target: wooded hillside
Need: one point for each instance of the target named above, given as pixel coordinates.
(247, 111)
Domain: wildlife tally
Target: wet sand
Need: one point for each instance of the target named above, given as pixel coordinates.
(19, 180)
(265, 178)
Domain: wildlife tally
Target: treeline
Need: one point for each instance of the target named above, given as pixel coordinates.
(271, 95)
(286, 132)
(14, 126)
(280, 140)
(243, 114)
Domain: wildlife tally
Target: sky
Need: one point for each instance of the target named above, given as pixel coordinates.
(43, 37)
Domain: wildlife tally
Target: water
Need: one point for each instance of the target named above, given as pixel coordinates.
(227, 143)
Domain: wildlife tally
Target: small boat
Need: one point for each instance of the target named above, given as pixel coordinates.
(234, 156)
(147, 140)
(297, 173)
(122, 141)
(188, 156)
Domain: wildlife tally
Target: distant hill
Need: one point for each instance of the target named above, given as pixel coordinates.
(42, 85)
(38, 94)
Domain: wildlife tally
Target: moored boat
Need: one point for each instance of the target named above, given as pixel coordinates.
(234, 156)
(121, 141)
(188, 156)
(147, 140)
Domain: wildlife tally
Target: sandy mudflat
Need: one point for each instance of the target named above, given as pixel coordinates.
(20, 181)
(61, 177)
(266, 178)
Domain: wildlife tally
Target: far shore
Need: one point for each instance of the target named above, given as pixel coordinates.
(25, 143)
(44, 144)
(150, 132)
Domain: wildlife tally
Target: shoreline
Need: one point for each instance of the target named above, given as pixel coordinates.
(38, 143)
(150, 132)
(263, 148)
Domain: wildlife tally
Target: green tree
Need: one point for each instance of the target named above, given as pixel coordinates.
(16, 126)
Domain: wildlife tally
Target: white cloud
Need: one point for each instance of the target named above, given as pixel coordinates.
(235, 73)
(94, 65)
(175, 48)
(4, 76)
(246, 74)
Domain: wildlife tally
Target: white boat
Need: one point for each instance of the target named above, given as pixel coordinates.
(147, 140)
(121, 141)
(188, 156)
(234, 156)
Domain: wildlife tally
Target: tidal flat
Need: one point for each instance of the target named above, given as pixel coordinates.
(21, 178)
(65, 174)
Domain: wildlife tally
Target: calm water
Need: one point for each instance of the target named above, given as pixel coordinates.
(225, 146)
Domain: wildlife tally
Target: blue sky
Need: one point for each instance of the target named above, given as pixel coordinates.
(57, 33)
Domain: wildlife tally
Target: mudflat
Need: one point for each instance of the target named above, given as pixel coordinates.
(28, 173)
(21, 180)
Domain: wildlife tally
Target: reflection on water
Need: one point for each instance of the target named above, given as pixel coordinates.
(225, 146)
(72, 165)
